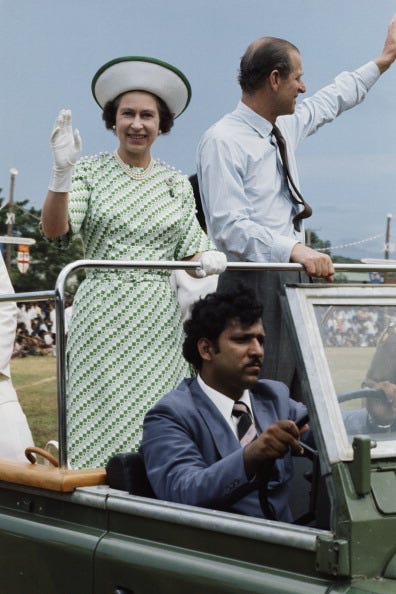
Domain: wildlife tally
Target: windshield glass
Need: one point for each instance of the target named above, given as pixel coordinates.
(346, 340)
(360, 346)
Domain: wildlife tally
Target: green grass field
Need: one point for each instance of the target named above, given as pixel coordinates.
(348, 366)
(34, 380)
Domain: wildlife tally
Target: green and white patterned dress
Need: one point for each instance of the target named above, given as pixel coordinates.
(124, 345)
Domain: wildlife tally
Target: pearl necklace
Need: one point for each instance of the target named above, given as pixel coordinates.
(129, 169)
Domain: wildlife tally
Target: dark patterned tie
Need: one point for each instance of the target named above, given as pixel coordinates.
(294, 192)
(246, 434)
(245, 426)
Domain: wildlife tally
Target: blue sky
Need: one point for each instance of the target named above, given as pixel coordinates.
(51, 49)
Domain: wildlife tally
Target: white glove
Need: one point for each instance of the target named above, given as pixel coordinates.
(66, 150)
(212, 262)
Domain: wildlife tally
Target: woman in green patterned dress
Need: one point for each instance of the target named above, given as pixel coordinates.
(124, 344)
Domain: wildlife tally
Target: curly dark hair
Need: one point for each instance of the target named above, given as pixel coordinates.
(211, 314)
(262, 57)
(165, 115)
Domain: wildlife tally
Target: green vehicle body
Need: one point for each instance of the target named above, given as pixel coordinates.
(102, 540)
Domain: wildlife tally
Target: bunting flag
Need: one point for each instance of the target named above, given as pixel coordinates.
(23, 258)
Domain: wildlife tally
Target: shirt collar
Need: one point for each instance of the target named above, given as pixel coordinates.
(222, 402)
(253, 119)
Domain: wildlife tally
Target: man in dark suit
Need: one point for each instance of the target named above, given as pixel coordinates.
(197, 448)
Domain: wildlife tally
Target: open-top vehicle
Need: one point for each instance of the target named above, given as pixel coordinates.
(71, 531)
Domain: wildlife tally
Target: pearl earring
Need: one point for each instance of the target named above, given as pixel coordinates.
(114, 127)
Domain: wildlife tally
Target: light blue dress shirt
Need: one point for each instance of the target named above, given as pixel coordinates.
(246, 200)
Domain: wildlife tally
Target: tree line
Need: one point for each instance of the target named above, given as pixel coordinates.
(46, 259)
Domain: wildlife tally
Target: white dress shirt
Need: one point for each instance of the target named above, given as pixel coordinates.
(246, 201)
(225, 404)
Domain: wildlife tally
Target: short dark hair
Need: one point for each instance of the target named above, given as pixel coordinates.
(262, 57)
(211, 314)
(165, 115)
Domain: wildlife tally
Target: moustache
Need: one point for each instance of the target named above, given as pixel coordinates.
(256, 362)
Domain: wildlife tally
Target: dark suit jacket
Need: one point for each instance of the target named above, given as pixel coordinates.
(193, 457)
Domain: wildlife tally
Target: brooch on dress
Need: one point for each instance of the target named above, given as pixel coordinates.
(170, 183)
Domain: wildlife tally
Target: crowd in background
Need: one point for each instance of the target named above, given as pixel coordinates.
(340, 327)
(351, 326)
(36, 328)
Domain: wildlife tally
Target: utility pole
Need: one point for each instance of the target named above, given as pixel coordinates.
(387, 236)
(10, 217)
(387, 243)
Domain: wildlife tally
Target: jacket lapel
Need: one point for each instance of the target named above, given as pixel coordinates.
(267, 406)
(262, 415)
(225, 440)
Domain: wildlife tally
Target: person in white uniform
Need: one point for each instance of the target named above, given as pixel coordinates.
(15, 433)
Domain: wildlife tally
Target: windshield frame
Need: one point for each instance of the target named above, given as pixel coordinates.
(326, 417)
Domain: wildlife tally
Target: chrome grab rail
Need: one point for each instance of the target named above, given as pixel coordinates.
(59, 296)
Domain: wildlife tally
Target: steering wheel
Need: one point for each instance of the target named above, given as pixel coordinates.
(313, 476)
(309, 452)
(372, 428)
(363, 393)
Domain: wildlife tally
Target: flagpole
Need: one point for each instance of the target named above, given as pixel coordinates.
(10, 217)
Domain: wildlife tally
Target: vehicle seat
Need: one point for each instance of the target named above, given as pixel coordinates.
(127, 472)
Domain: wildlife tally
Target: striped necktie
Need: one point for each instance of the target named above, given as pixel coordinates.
(246, 434)
(245, 426)
(294, 192)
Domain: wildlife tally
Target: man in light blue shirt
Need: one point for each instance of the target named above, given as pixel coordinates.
(249, 203)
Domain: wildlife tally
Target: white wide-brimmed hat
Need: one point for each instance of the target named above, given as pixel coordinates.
(140, 73)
